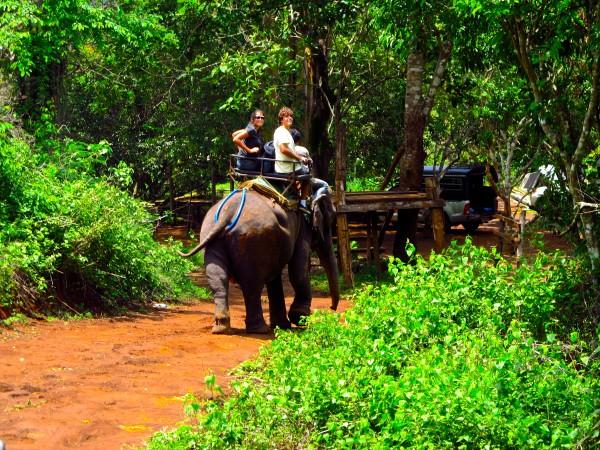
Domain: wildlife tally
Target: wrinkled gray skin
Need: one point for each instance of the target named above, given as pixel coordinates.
(255, 251)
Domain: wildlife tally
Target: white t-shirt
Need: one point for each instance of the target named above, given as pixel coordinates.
(283, 136)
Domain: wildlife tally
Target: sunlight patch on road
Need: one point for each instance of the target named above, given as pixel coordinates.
(163, 402)
(134, 428)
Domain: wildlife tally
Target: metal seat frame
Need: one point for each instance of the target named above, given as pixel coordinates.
(291, 178)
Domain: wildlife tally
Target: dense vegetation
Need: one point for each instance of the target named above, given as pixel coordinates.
(70, 240)
(464, 350)
(512, 85)
(107, 105)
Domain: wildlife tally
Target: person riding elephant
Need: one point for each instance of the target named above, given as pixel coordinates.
(251, 238)
(249, 142)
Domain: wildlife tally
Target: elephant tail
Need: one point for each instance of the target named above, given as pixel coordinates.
(223, 222)
(204, 242)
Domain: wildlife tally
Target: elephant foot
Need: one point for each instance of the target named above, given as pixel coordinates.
(221, 326)
(296, 316)
(283, 325)
(260, 329)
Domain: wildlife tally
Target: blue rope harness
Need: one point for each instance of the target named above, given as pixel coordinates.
(239, 211)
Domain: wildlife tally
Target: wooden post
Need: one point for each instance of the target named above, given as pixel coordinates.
(521, 247)
(390, 172)
(373, 228)
(340, 199)
(501, 233)
(344, 249)
(370, 243)
(437, 215)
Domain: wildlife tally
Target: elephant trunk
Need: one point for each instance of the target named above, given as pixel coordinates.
(323, 220)
(328, 260)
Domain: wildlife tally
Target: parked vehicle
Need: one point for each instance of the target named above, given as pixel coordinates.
(468, 201)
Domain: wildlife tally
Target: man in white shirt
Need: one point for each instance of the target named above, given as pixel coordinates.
(287, 159)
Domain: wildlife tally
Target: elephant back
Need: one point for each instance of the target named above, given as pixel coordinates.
(256, 215)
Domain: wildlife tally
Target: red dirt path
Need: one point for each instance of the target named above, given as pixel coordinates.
(111, 383)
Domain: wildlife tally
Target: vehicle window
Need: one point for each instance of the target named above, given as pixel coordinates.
(451, 184)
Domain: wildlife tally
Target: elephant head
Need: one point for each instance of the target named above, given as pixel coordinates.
(323, 221)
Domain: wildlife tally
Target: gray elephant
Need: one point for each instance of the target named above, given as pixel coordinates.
(250, 238)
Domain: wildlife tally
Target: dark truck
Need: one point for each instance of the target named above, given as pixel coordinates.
(468, 201)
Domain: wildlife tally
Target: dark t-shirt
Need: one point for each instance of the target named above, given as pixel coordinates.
(254, 139)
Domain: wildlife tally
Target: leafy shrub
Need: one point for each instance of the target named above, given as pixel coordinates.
(356, 184)
(463, 350)
(65, 232)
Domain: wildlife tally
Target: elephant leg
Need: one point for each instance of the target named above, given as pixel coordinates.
(255, 321)
(218, 280)
(277, 304)
(298, 272)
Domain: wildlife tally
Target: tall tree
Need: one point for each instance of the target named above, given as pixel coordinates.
(422, 34)
(556, 45)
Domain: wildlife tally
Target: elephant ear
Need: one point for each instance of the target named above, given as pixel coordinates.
(323, 213)
(317, 221)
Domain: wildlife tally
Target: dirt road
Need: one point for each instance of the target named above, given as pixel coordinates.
(111, 383)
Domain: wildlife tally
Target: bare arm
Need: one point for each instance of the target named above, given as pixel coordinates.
(236, 132)
(286, 150)
(238, 137)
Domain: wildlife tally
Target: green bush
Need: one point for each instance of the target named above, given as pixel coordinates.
(461, 351)
(356, 184)
(65, 232)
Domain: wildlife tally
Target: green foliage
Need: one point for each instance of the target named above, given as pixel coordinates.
(363, 184)
(463, 350)
(165, 83)
(64, 232)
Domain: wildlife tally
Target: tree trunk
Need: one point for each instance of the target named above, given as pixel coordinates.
(171, 186)
(411, 160)
(417, 109)
(340, 187)
(587, 221)
(43, 84)
(319, 99)
(57, 77)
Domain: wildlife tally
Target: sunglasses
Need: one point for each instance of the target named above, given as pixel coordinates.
(260, 117)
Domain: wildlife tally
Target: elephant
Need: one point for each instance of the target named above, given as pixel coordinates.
(250, 238)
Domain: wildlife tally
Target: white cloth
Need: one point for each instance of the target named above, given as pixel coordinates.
(283, 136)
(303, 151)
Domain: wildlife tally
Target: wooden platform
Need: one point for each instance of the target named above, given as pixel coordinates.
(367, 207)
(375, 201)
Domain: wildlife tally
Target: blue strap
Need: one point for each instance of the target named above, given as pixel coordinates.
(223, 204)
(239, 211)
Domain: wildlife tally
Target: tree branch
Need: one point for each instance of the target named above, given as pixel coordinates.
(438, 77)
(519, 40)
(589, 114)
